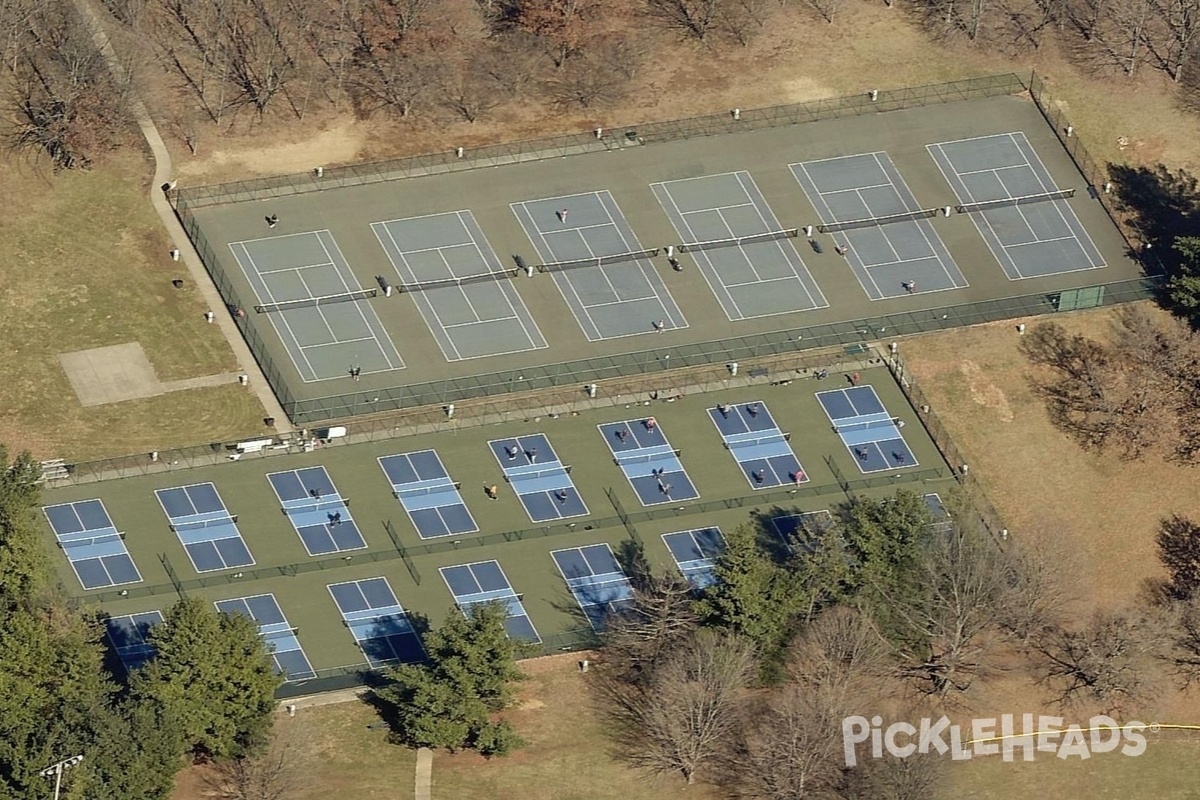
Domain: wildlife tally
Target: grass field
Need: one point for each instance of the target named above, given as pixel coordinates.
(86, 265)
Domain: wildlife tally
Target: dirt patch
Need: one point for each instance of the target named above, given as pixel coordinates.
(339, 143)
(984, 392)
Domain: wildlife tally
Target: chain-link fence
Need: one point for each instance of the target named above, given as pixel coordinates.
(599, 140)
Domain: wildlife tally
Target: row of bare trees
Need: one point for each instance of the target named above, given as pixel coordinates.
(63, 103)
(1121, 36)
(685, 690)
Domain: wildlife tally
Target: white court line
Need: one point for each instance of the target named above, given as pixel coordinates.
(1044, 241)
(732, 235)
(362, 315)
(830, 217)
(718, 208)
(643, 265)
(488, 268)
(1020, 212)
(774, 224)
(414, 251)
(691, 234)
(871, 213)
(341, 341)
(461, 289)
(857, 189)
(507, 291)
(920, 227)
(424, 305)
(570, 290)
(319, 311)
(966, 196)
(1044, 171)
(295, 269)
(270, 298)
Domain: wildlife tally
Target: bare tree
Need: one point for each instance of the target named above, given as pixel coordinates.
(839, 654)
(1039, 585)
(695, 19)
(470, 89)
(947, 630)
(66, 103)
(566, 27)
(678, 720)
(828, 9)
(1111, 661)
(891, 778)
(1182, 21)
(660, 617)
(274, 774)
(789, 748)
(1184, 656)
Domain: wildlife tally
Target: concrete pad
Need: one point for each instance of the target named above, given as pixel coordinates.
(111, 374)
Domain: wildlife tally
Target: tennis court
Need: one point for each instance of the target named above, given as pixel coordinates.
(316, 305)
(465, 295)
(602, 272)
(204, 526)
(320, 516)
(891, 244)
(868, 431)
(743, 251)
(92, 544)
(596, 581)
(377, 621)
(276, 631)
(485, 582)
(695, 553)
(762, 451)
(130, 637)
(430, 498)
(1029, 227)
(541, 481)
(652, 467)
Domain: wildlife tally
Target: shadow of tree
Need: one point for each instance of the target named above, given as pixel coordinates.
(1161, 204)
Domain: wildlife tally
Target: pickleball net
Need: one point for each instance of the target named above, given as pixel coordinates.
(1013, 202)
(454, 283)
(420, 491)
(874, 222)
(599, 261)
(332, 504)
(220, 522)
(739, 241)
(755, 441)
(842, 427)
(645, 456)
(313, 302)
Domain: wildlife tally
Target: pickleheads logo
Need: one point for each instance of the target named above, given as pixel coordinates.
(995, 736)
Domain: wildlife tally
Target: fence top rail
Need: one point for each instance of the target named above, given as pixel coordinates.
(600, 139)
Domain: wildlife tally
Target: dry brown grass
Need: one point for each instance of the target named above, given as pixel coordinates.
(83, 264)
(1041, 482)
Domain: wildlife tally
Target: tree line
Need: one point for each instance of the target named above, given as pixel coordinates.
(208, 695)
(883, 609)
(207, 64)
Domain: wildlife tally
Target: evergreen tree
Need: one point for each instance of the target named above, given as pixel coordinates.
(1184, 286)
(754, 596)
(213, 675)
(448, 701)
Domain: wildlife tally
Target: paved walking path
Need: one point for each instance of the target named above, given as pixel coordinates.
(424, 786)
(162, 175)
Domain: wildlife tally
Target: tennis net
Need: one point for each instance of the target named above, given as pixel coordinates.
(453, 283)
(738, 241)
(598, 261)
(1012, 202)
(333, 504)
(872, 222)
(223, 522)
(419, 491)
(842, 427)
(313, 302)
(770, 438)
(640, 457)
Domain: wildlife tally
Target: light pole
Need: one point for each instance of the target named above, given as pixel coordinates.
(57, 771)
